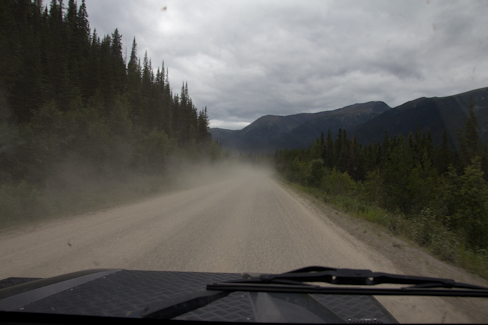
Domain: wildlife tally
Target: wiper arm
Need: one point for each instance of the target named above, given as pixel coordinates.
(355, 277)
(296, 281)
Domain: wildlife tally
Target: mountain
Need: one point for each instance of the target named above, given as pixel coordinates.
(345, 118)
(263, 135)
(218, 133)
(367, 122)
(430, 114)
(271, 132)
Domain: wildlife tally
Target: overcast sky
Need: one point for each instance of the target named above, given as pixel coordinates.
(246, 59)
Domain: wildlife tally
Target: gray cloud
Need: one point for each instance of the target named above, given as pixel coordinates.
(245, 59)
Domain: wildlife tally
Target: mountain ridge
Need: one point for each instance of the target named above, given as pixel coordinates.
(434, 114)
(366, 121)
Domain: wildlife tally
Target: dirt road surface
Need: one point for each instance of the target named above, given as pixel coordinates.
(246, 223)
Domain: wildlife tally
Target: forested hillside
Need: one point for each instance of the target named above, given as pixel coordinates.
(70, 102)
(434, 195)
(272, 132)
(436, 114)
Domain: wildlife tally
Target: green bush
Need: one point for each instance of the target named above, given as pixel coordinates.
(20, 202)
(445, 244)
(316, 173)
(336, 183)
(425, 225)
(466, 201)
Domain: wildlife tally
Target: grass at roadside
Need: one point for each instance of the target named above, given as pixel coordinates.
(79, 192)
(432, 237)
(23, 204)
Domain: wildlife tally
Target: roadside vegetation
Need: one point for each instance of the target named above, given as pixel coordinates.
(435, 196)
(81, 128)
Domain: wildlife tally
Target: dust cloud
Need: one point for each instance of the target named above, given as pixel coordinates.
(187, 175)
(75, 187)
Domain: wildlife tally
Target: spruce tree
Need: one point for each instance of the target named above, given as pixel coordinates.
(328, 152)
(118, 65)
(442, 155)
(468, 138)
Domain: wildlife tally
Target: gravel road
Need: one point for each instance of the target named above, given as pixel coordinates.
(247, 223)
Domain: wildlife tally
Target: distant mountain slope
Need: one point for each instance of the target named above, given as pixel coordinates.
(271, 132)
(345, 118)
(367, 121)
(218, 133)
(431, 114)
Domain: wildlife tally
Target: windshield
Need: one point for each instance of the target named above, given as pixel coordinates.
(247, 136)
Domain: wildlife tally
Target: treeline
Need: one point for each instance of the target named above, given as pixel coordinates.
(69, 98)
(432, 190)
(69, 94)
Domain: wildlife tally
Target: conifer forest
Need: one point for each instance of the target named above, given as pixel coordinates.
(434, 195)
(70, 100)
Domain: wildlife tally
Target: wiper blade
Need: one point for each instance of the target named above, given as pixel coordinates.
(296, 282)
(282, 288)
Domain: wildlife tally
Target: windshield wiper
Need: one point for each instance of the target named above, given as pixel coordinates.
(297, 282)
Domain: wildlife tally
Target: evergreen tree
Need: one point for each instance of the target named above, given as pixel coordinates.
(400, 177)
(93, 77)
(468, 137)
(338, 150)
(134, 85)
(328, 152)
(385, 149)
(442, 155)
(203, 136)
(118, 65)
(83, 23)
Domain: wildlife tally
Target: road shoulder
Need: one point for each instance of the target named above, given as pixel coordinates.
(405, 256)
